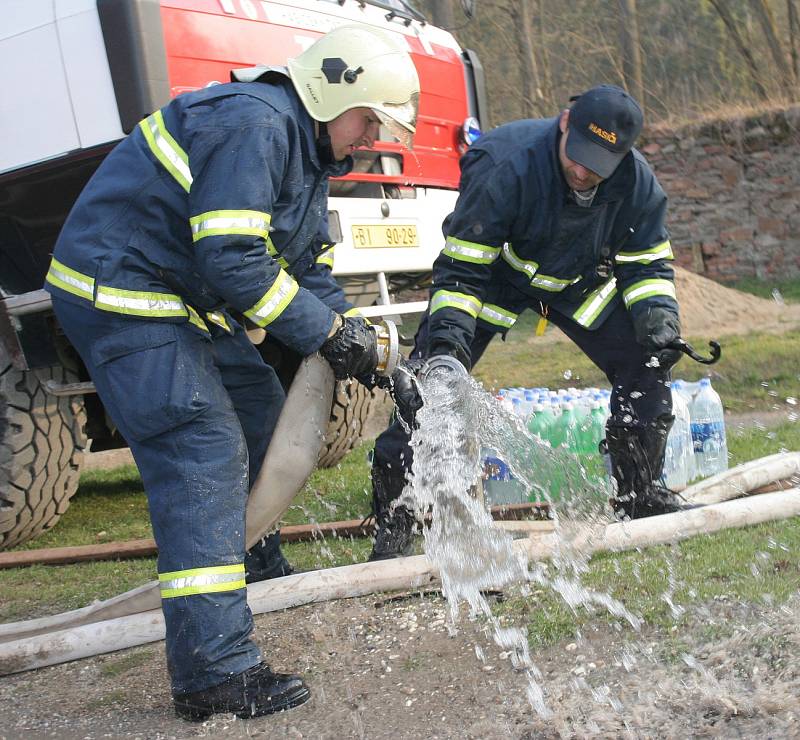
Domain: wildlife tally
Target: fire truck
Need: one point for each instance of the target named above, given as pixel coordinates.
(77, 76)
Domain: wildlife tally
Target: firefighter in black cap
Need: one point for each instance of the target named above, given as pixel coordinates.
(562, 216)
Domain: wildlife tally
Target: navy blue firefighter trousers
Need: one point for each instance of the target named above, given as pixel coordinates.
(198, 415)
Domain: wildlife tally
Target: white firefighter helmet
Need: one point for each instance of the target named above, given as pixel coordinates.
(356, 66)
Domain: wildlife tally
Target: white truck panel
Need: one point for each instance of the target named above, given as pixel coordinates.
(426, 212)
(35, 107)
(57, 90)
(20, 16)
(88, 75)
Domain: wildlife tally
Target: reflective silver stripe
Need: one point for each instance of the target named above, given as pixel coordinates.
(497, 315)
(552, 284)
(70, 280)
(648, 289)
(222, 223)
(142, 304)
(593, 306)
(166, 149)
(460, 249)
(274, 301)
(202, 580)
(461, 301)
(139, 303)
(662, 251)
(527, 266)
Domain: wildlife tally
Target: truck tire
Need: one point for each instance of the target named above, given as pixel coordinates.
(350, 410)
(352, 404)
(42, 440)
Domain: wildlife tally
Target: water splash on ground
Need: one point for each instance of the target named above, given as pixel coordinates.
(457, 425)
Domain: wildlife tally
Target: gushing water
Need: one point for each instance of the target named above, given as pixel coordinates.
(457, 425)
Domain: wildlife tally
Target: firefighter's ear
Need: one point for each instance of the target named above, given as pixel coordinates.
(562, 121)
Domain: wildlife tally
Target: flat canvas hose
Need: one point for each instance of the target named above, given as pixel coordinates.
(290, 459)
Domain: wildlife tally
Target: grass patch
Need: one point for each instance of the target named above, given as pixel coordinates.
(42, 589)
(113, 502)
(757, 372)
(788, 290)
(109, 506)
(751, 443)
(759, 564)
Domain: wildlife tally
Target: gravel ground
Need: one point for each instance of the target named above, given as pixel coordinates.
(390, 668)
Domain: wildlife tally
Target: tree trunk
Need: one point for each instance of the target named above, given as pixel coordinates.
(443, 14)
(791, 11)
(631, 49)
(764, 15)
(724, 12)
(529, 69)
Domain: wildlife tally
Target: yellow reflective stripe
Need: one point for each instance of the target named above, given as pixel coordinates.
(479, 254)
(552, 284)
(166, 150)
(529, 267)
(462, 301)
(223, 223)
(354, 312)
(138, 303)
(326, 258)
(70, 280)
(201, 580)
(274, 301)
(273, 252)
(194, 318)
(593, 306)
(647, 289)
(662, 251)
(497, 315)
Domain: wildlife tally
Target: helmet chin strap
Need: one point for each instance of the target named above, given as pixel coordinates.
(324, 147)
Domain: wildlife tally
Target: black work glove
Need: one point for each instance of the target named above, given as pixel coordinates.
(452, 349)
(352, 350)
(404, 389)
(656, 328)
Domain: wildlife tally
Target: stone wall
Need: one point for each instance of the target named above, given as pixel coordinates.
(734, 192)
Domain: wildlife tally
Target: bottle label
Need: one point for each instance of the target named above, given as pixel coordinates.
(707, 434)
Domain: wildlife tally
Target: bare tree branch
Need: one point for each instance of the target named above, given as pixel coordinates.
(724, 12)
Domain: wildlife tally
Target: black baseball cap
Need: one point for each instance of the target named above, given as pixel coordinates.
(604, 123)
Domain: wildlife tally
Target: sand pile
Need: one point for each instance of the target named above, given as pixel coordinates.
(708, 308)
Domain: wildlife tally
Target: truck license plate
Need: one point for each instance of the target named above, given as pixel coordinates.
(366, 236)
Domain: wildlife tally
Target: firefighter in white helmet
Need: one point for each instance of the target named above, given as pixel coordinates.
(213, 209)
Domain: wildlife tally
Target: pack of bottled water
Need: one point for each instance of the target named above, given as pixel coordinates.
(570, 419)
(574, 419)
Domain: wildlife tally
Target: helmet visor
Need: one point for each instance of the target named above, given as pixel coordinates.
(400, 120)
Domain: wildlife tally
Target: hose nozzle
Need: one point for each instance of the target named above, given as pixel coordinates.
(388, 347)
(439, 365)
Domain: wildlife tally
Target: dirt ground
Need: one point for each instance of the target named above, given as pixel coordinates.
(389, 667)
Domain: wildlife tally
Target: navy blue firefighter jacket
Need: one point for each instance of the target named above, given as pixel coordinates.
(217, 200)
(515, 239)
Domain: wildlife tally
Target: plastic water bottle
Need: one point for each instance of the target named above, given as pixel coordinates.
(708, 431)
(679, 455)
(564, 428)
(540, 421)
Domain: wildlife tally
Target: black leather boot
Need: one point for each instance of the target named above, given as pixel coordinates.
(394, 537)
(637, 462)
(254, 693)
(265, 560)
